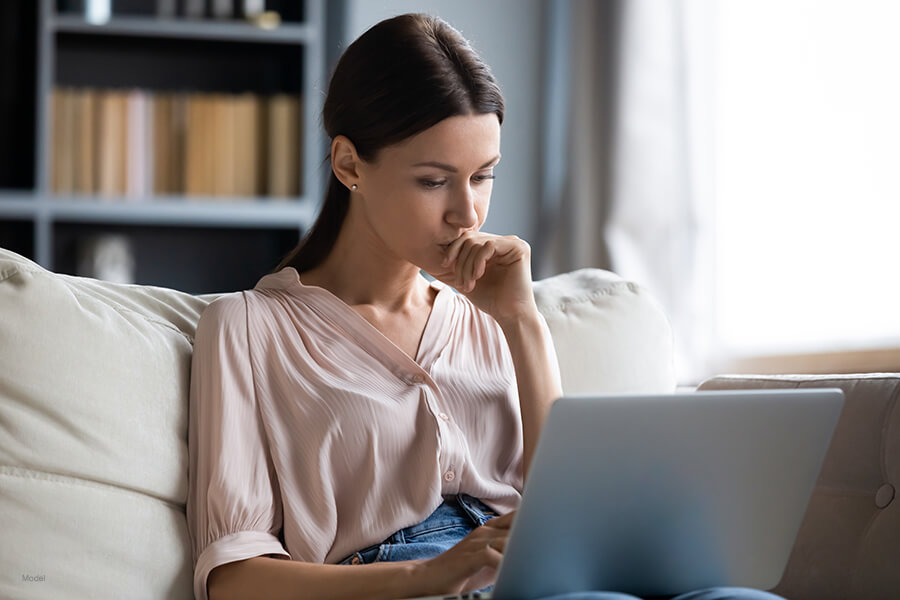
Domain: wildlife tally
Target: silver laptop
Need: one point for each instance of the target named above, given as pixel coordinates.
(660, 495)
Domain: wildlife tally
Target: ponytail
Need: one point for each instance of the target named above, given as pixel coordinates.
(317, 245)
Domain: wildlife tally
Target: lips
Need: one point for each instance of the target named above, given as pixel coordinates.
(446, 245)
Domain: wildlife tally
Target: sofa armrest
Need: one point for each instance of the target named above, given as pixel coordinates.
(848, 547)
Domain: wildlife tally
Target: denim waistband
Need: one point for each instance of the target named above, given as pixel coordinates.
(450, 522)
(455, 510)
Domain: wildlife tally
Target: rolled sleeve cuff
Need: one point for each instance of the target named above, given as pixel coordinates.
(233, 547)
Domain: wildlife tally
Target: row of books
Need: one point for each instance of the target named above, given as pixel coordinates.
(138, 144)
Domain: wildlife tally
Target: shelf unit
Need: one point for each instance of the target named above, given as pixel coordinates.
(171, 54)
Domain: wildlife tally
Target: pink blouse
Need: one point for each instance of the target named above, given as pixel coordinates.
(312, 435)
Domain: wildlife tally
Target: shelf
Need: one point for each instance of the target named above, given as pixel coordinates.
(13, 205)
(196, 211)
(211, 212)
(187, 242)
(186, 29)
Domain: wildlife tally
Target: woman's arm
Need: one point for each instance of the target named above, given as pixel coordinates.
(469, 565)
(537, 376)
(274, 579)
(494, 272)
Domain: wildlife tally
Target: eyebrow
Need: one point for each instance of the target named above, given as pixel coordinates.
(451, 168)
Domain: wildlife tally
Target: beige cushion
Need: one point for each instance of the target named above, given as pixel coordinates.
(848, 547)
(93, 418)
(610, 335)
(93, 455)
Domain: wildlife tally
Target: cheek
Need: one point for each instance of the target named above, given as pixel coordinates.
(481, 208)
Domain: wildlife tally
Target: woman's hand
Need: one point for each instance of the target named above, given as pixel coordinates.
(492, 271)
(469, 565)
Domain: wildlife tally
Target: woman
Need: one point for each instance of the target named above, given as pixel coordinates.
(347, 413)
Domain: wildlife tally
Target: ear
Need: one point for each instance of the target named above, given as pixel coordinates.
(345, 161)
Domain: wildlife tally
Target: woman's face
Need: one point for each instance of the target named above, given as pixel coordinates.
(424, 192)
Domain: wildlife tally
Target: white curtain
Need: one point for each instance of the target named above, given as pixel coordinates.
(636, 197)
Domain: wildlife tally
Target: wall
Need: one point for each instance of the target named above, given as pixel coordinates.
(508, 35)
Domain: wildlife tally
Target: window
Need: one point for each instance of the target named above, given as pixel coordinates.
(807, 152)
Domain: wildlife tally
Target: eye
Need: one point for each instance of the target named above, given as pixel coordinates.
(432, 183)
(482, 178)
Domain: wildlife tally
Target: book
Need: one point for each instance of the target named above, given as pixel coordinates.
(198, 164)
(283, 147)
(138, 150)
(178, 142)
(222, 9)
(112, 135)
(62, 168)
(222, 147)
(194, 9)
(85, 149)
(163, 169)
(247, 146)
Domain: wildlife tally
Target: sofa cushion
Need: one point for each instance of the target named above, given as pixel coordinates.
(848, 547)
(93, 456)
(610, 335)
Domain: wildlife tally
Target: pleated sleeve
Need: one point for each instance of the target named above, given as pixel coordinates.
(234, 509)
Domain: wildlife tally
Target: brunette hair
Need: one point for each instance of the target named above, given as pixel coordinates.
(402, 76)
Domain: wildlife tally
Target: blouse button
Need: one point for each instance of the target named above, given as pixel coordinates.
(444, 416)
(449, 476)
(417, 378)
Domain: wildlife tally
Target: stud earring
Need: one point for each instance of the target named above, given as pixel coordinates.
(354, 187)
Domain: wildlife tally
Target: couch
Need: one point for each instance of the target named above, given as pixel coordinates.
(93, 434)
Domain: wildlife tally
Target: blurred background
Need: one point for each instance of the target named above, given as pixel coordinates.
(738, 158)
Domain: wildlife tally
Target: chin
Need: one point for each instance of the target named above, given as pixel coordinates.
(432, 267)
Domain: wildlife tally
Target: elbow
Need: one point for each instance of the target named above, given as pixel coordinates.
(236, 580)
(223, 582)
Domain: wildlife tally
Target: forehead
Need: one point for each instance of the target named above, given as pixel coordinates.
(460, 141)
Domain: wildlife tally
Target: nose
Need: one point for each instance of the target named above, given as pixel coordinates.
(462, 211)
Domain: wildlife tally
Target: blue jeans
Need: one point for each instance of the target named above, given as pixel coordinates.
(459, 515)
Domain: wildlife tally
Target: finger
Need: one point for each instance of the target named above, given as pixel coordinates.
(461, 260)
(467, 263)
(490, 556)
(454, 249)
(487, 252)
(510, 249)
(499, 543)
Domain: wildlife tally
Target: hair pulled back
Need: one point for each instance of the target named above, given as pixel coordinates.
(402, 76)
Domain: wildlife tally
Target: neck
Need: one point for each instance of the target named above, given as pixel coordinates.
(360, 270)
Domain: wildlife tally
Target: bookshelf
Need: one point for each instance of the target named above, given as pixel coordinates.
(193, 210)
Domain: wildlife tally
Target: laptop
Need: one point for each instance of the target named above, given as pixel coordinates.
(659, 495)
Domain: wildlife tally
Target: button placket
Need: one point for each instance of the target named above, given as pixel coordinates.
(449, 458)
(412, 378)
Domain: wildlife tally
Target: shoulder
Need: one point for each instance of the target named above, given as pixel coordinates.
(223, 317)
(225, 309)
(237, 308)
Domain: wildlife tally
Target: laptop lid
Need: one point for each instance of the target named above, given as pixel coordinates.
(658, 495)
